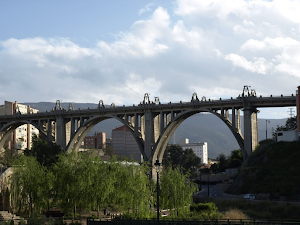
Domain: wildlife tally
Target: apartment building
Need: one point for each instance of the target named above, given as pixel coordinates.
(124, 144)
(21, 137)
(97, 141)
(200, 149)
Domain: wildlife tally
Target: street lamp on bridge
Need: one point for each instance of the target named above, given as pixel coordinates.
(157, 167)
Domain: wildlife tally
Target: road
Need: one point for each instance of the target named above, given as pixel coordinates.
(214, 191)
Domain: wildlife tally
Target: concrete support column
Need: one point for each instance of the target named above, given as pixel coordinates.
(227, 114)
(68, 131)
(250, 130)
(49, 130)
(136, 123)
(126, 118)
(247, 133)
(143, 126)
(149, 133)
(40, 124)
(222, 112)
(254, 130)
(172, 116)
(238, 118)
(60, 132)
(233, 119)
(162, 122)
(168, 119)
(156, 127)
(132, 120)
(72, 128)
(81, 121)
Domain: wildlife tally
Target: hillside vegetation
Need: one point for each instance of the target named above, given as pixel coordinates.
(274, 169)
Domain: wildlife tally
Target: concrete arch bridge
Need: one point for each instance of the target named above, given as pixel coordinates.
(151, 123)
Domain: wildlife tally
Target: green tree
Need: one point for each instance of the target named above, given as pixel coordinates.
(290, 124)
(235, 159)
(45, 153)
(29, 185)
(133, 189)
(176, 191)
(190, 160)
(6, 157)
(74, 181)
(104, 178)
(175, 156)
(221, 165)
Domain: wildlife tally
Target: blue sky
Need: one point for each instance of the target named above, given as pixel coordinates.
(84, 51)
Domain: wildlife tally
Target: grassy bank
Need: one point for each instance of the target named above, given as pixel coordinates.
(259, 209)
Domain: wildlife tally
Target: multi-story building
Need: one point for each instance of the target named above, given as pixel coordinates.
(200, 149)
(22, 136)
(124, 144)
(98, 141)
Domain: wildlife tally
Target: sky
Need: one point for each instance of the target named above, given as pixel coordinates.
(116, 51)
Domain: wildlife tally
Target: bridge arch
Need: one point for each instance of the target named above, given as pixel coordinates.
(7, 129)
(164, 139)
(84, 129)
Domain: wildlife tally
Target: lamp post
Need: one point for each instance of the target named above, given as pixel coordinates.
(267, 121)
(157, 166)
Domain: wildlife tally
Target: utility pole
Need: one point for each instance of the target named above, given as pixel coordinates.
(291, 112)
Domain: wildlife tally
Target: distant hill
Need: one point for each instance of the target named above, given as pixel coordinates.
(201, 127)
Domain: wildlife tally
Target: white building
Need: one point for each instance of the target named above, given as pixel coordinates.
(22, 136)
(200, 149)
(290, 135)
(124, 144)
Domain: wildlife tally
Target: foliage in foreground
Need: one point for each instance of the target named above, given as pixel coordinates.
(176, 191)
(80, 182)
(273, 168)
(260, 209)
(205, 211)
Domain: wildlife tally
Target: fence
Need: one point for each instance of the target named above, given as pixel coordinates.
(192, 222)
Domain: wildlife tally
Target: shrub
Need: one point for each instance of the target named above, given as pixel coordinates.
(235, 214)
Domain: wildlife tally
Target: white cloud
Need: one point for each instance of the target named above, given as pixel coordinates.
(269, 44)
(258, 65)
(210, 47)
(146, 8)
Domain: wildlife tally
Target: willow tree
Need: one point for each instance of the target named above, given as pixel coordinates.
(176, 191)
(133, 189)
(104, 178)
(74, 181)
(29, 185)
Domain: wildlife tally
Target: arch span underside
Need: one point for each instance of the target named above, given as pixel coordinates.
(7, 129)
(86, 127)
(164, 139)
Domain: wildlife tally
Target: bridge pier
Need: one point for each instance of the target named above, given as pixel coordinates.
(60, 134)
(250, 131)
(149, 133)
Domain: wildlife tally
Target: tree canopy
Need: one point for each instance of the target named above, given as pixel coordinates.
(233, 161)
(46, 154)
(80, 181)
(175, 156)
(290, 124)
